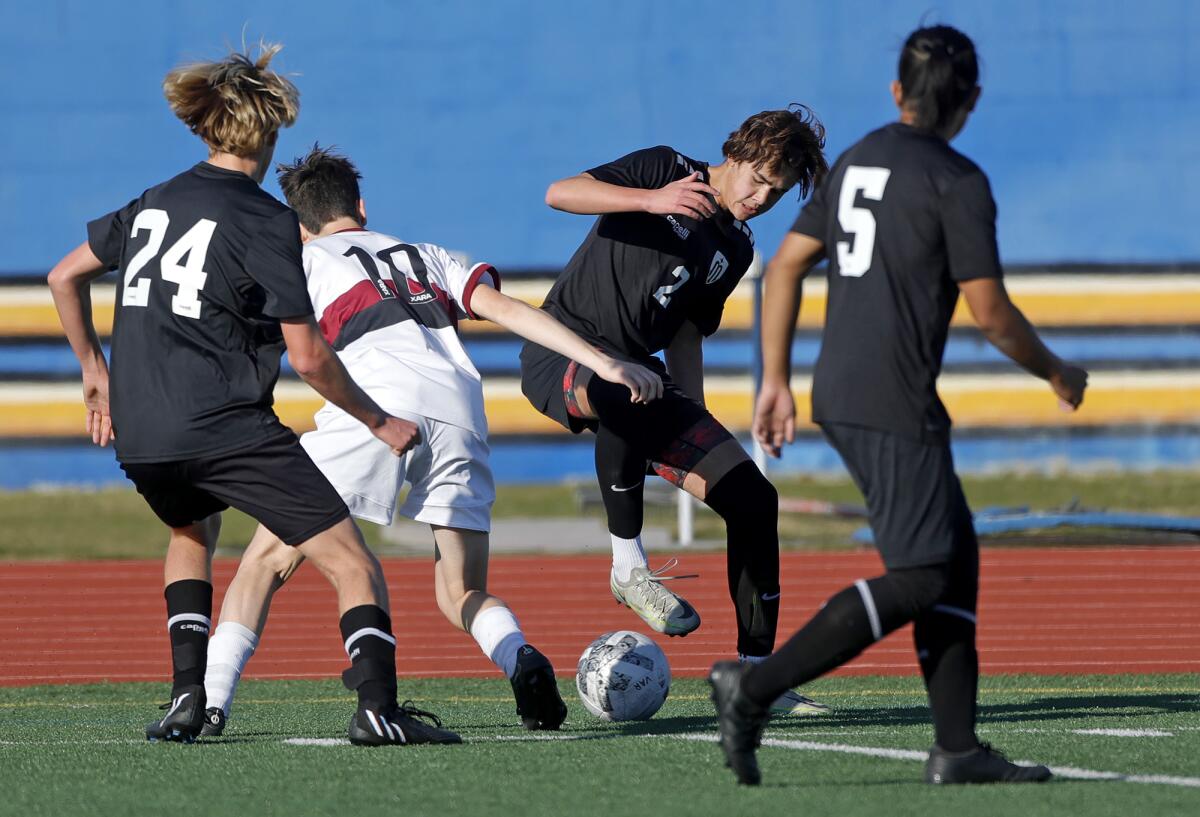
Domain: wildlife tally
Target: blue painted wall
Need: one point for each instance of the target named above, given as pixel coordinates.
(460, 113)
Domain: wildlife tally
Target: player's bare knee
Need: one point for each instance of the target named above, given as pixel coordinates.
(267, 556)
(283, 562)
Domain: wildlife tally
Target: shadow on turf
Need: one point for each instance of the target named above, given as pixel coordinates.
(1046, 709)
(1074, 707)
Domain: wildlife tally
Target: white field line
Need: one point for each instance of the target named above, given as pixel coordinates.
(1068, 772)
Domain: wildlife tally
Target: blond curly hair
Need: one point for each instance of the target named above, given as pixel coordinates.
(236, 105)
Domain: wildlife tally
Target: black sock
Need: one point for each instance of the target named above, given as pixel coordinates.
(852, 620)
(622, 476)
(839, 631)
(189, 617)
(367, 632)
(945, 641)
(749, 504)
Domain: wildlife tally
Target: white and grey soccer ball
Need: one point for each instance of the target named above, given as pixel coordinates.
(623, 676)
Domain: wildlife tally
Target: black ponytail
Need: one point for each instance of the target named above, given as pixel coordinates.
(938, 71)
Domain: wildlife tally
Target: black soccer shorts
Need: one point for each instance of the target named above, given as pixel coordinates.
(273, 481)
(674, 432)
(917, 509)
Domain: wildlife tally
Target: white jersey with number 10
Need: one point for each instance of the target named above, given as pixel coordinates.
(390, 310)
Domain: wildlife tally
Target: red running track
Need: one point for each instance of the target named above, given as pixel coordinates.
(1046, 611)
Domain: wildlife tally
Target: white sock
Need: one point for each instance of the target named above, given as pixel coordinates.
(498, 634)
(228, 651)
(627, 554)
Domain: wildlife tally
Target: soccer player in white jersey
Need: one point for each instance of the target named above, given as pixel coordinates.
(389, 309)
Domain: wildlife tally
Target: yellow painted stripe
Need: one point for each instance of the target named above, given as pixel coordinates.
(974, 401)
(1068, 300)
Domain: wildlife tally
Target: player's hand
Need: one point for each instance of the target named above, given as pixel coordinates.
(1069, 384)
(774, 417)
(685, 196)
(644, 385)
(402, 435)
(95, 400)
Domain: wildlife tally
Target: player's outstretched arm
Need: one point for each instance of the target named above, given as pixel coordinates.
(69, 286)
(540, 327)
(1006, 328)
(587, 196)
(321, 368)
(775, 409)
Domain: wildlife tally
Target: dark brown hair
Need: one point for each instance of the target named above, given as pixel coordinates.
(776, 139)
(321, 187)
(938, 70)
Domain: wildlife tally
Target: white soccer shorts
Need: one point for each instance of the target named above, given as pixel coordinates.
(451, 480)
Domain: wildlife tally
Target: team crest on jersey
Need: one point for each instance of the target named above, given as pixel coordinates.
(719, 264)
(417, 294)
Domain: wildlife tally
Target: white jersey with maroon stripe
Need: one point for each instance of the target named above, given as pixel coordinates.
(390, 311)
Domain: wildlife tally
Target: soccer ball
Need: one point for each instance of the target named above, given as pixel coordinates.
(623, 676)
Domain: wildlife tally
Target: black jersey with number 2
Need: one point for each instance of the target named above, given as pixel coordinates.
(208, 263)
(904, 218)
(638, 277)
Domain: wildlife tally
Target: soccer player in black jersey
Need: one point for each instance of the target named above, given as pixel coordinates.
(653, 275)
(908, 223)
(210, 289)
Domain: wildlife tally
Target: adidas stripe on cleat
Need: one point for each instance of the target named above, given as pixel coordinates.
(184, 718)
(405, 725)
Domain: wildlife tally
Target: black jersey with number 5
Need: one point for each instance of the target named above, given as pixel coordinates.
(208, 263)
(638, 277)
(904, 219)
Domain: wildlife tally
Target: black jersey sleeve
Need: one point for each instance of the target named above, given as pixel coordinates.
(275, 262)
(646, 169)
(107, 234)
(969, 225)
(813, 220)
(706, 315)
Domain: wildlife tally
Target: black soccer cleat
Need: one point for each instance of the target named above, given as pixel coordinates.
(739, 720)
(538, 703)
(402, 726)
(981, 765)
(214, 722)
(184, 718)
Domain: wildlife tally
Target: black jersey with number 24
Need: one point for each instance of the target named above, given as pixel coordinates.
(208, 263)
(638, 277)
(904, 218)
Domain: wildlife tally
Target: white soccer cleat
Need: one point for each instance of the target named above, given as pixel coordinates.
(644, 594)
(793, 703)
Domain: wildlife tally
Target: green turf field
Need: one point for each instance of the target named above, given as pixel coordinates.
(116, 523)
(78, 750)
